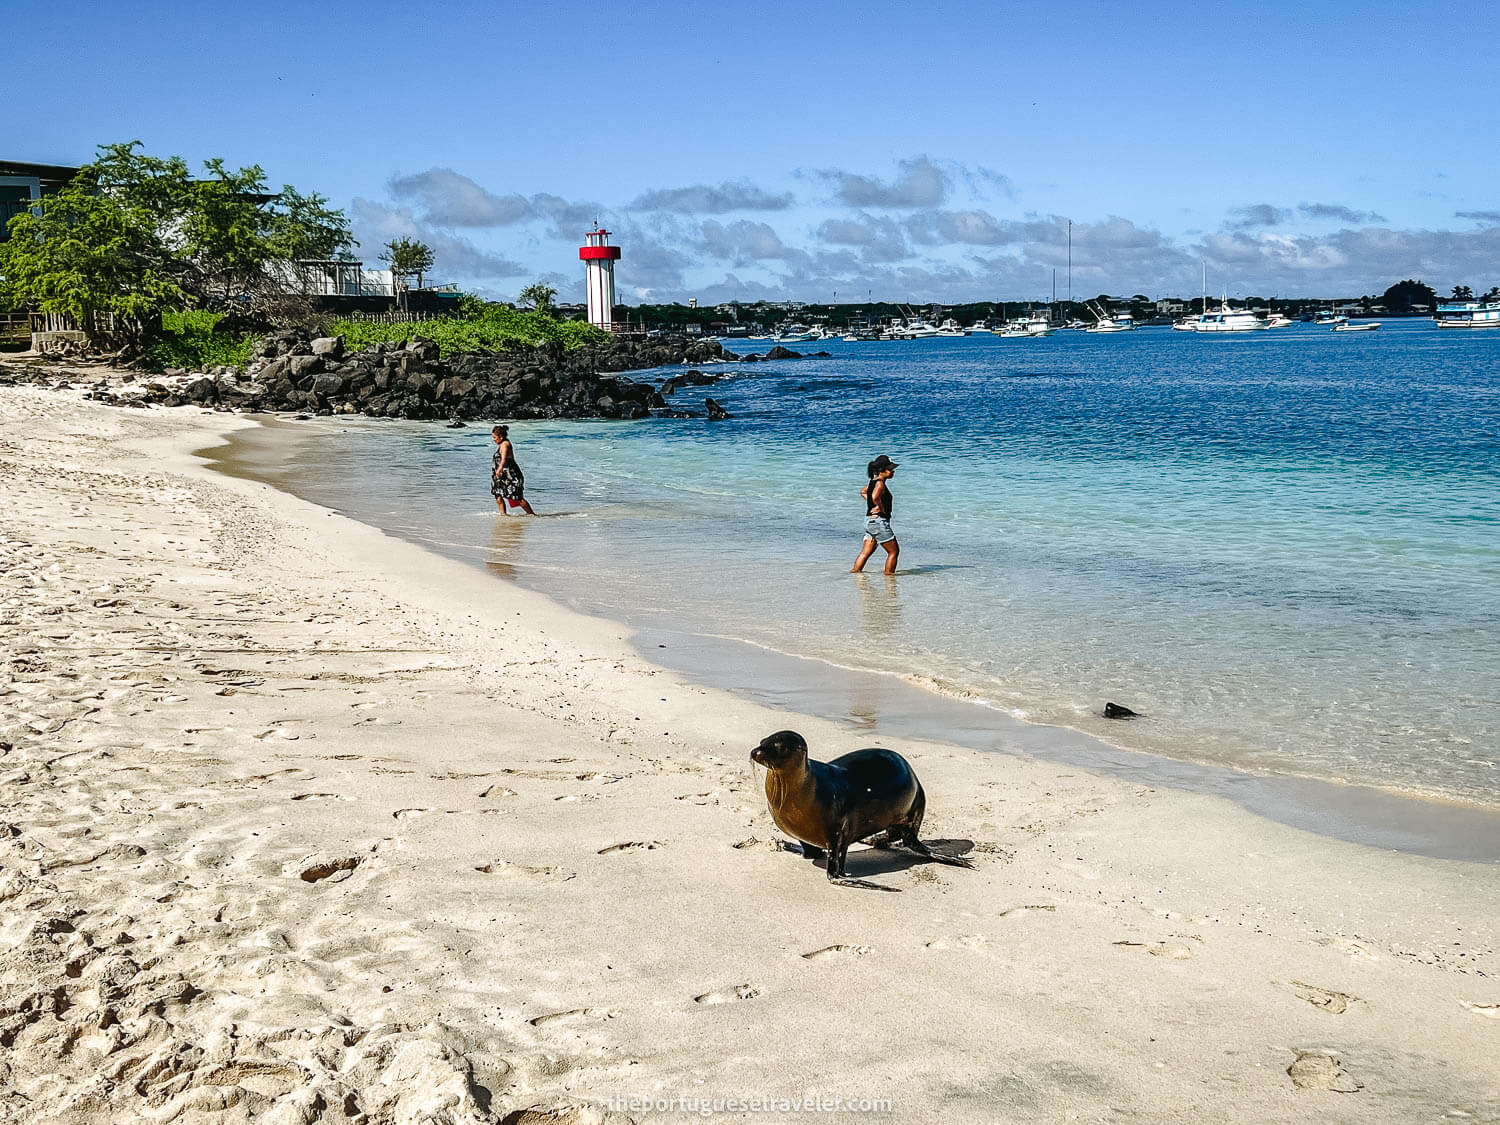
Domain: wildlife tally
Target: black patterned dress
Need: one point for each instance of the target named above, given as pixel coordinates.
(509, 484)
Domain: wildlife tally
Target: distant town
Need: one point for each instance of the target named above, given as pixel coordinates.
(739, 319)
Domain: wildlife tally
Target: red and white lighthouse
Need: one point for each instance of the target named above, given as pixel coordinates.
(599, 259)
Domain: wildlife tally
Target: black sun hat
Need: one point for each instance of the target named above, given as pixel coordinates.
(881, 464)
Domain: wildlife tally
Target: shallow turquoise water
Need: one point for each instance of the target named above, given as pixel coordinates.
(1284, 548)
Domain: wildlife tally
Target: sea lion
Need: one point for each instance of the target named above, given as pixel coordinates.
(830, 805)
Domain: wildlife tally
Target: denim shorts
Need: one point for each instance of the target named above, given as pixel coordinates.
(878, 528)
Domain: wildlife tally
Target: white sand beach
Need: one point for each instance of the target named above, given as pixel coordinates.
(300, 823)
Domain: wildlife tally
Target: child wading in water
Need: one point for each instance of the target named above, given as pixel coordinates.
(877, 496)
(507, 481)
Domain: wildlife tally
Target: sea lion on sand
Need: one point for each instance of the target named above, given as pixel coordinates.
(830, 805)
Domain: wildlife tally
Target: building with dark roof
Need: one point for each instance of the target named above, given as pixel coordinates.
(21, 183)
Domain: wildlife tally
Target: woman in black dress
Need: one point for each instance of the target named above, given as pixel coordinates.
(507, 483)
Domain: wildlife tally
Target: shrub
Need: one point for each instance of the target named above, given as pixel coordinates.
(479, 328)
(189, 339)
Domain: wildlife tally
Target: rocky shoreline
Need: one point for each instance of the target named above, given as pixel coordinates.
(292, 371)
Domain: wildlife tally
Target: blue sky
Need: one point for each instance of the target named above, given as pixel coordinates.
(922, 153)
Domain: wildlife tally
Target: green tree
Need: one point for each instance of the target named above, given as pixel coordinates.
(539, 296)
(1401, 297)
(1462, 293)
(1493, 294)
(407, 258)
(103, 245)
(135, 235)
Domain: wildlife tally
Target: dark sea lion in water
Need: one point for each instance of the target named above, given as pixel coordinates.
(830, 805)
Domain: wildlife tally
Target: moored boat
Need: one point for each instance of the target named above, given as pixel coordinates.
(1366, 326)
(796, 334)
(1468, 314)
(1112, 322)
(1225, 319)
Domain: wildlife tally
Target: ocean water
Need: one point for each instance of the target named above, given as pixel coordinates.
(1282, 549)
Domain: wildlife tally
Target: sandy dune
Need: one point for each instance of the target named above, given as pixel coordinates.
(301, 824)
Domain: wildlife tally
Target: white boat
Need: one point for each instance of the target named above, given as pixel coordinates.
(1015, 330)
(1037, 325)
(1114, 322)
(1280, 320)
(950, 327)
(1468, 314)
(1331, 318)
(796, 334)
(1225, 319)
(1366, 326)
(979, 328)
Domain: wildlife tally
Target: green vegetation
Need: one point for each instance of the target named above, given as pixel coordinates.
(539, 296)
(407, 258)
(481, 327)
(190, 339)
(134, 236)
(1405, 296)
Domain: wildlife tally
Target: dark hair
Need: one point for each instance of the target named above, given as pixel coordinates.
(502, 430)
(879, 465)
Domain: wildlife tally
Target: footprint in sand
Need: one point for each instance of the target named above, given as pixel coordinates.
(1489, 1011)
(503, 867)
(632, 845)
(333, 870)
(754, 844)
(319, 797)
(841, 952)
(1317, 1070)
(1171, 950)
(1356, 950)
(1025, 908)
(1330, 1000)
(728, 995)
(962, 941)
(409, 814)
(575, 1013)
(498, 791)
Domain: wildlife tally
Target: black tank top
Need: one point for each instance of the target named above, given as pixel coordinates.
(882, 507)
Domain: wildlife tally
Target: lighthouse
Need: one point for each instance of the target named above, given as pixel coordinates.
(599, 259)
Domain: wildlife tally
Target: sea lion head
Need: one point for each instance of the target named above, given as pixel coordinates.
(782, 750)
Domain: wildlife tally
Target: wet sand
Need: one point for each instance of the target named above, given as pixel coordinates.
(303, 823)
(876, 706)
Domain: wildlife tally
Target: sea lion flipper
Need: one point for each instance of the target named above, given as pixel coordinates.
(813, 852)
(925, 852)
